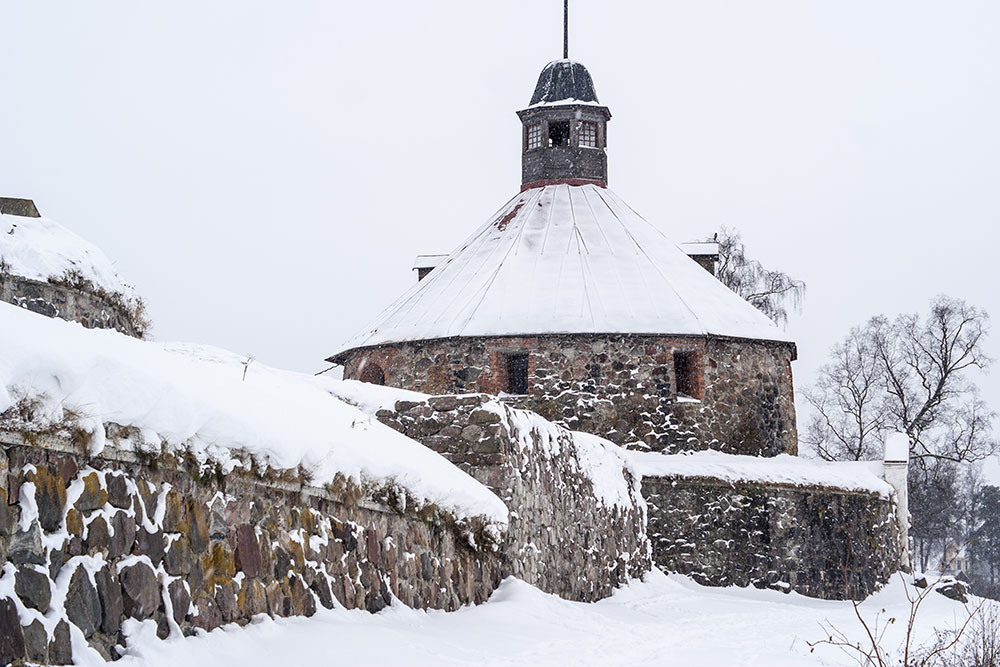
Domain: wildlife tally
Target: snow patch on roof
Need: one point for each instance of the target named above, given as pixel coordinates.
(40, 248)
(217, 404)
(567, 259)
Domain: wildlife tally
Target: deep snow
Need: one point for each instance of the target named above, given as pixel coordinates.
(218, 405)
(660, 621)
(40, 248)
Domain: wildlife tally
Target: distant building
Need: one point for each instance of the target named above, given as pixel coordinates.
(569, 303)
(955, 560)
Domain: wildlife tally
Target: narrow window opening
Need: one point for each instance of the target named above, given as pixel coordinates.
(686, 370)
(372, 374)
(559, 133)
(588, 134)
(534, 136)
(517, 374)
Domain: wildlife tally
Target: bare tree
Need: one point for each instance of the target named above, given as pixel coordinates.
(926, 366)
(849, 400)
(768, 291)
(910, 375)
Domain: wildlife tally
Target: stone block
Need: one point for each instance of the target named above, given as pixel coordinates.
(443, 403)
(61, 646)
(33, 588)
(123, 539)
(179, 559)
(180, 600)
(141, 591)
(11, 636)
(9, 515)
(248, 559)
(26, 546)
(50, 496)
(198, 527)
(98, 536)
(83, 606)
(150, 544)
(36, 642)
(109, 591)
(118, 494)
(94, 496)
(484, 417)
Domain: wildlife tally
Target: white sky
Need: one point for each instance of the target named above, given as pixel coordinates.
(265, 172)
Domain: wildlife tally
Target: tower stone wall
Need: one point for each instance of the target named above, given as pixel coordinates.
(621, 387)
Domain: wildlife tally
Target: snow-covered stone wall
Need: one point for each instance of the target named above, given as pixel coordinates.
(577, 519)
(76, 304)
(621, 387)
(87, 543)
(818, 540)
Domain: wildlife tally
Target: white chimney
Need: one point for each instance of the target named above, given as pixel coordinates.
(895, 464)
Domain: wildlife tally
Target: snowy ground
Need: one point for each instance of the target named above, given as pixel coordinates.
(660, 621)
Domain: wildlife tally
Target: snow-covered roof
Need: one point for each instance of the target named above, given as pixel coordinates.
(700, 248)
(567, 259)
(427, 261)
(40, 248)
(216, 404)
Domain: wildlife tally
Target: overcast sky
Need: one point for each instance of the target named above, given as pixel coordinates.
(264, 173)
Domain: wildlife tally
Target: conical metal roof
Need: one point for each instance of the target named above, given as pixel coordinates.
(567, 259)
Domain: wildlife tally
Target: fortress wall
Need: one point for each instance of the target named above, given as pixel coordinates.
(819, 541)
(94, 541)
(68, 303)
(621, 387)
(563, 538)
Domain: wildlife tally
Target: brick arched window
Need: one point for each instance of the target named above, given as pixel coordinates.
(372, 373)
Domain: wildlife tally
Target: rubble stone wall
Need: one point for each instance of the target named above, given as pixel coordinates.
(66, 303)
(822, 542)
(86, 543)
(562, 537)
(621, 387)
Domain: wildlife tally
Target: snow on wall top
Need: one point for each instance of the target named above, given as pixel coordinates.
(196, 397)
(40, 248)
(602, 461)
(864, 476)
(567, 259)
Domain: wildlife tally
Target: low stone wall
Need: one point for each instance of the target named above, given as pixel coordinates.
(68, 303)
(86, 543)
(620, 387)
(562, 537)
(821, 542)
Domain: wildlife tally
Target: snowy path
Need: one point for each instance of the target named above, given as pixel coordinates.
(662, 621)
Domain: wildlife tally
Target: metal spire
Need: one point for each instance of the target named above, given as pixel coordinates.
(565, 29)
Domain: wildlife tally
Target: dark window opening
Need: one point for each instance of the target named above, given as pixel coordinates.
(517, 374)
(372, 374)
(686, 375)
(559, 133)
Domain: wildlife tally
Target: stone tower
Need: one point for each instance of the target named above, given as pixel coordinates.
(570, 304)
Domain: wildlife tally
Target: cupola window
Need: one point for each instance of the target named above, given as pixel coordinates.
(558, 133)
(534, 136)
(588, 134)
